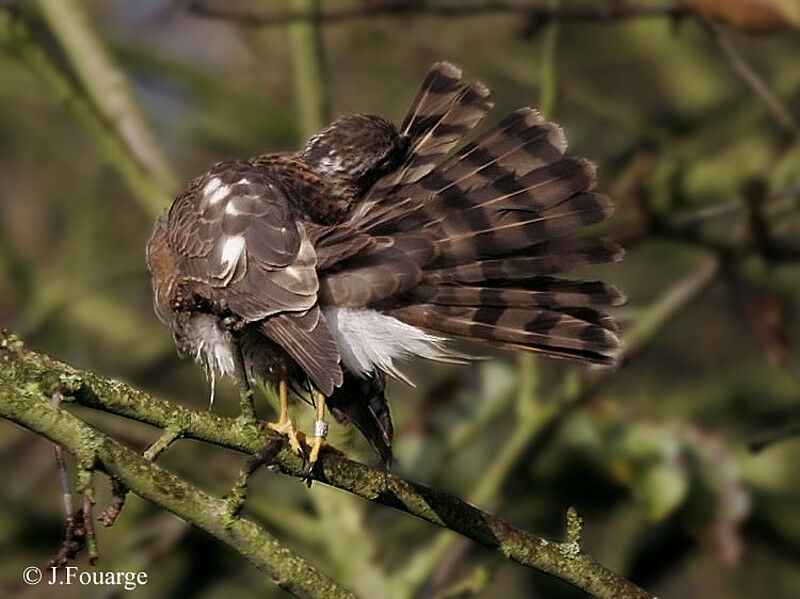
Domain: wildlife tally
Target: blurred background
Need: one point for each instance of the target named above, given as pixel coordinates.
(684, 464)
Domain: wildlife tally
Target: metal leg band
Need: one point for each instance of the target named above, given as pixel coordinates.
(320, 428)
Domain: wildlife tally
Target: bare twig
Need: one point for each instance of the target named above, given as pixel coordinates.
(767, 440)
(699, 216)
(682, 227)
(74, 541)
(263, 457)
(548, 70)
(63, 477)
(66, 496)
(161, 444)
(118, 494)
(88, 525)
(750, 76)
(538, 10)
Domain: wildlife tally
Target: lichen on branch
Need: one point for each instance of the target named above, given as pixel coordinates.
(28, 379)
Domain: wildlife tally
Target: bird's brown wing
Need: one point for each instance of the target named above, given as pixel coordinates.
(241, 247)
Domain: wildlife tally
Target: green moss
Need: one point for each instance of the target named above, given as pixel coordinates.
(26, 384)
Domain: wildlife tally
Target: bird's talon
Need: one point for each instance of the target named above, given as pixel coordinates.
(295, 445)
(309, 476)
(310, 473)
(286, 428)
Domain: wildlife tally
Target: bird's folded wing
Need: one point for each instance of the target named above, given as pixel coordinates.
(306, 338)
(240, 245)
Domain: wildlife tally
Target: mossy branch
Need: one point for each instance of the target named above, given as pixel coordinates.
(28, 379)
(24, 378)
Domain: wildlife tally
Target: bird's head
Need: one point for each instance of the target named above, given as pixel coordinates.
(163, 265)
(358, 148)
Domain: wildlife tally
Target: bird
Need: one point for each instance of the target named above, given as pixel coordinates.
(319, 272)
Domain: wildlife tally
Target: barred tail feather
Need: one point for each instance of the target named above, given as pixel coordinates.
(515, 230)
(549, 257)
(547, 292)
(521, 143)
(554, 332)
(444, 110)
(501, 215)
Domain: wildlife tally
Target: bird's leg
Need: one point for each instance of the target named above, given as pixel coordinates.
(284, 425)
(320, 430)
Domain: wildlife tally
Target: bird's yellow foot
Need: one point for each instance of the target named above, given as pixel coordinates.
(317, 444)
(285, 427)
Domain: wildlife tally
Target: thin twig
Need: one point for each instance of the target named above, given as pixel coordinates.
(548, 70)
(66, 496)
(769, 439)
(263, 457)
(161, 444)
(63, 476)
(74, 541)
(88, 525)
(683, 227)
(311, 90)
(118, 494)
(537, 10)
(750, 76)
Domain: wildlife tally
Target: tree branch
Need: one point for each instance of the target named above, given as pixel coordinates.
(540, 11)
(27, 379)
(105, 84)
(26, 405)
(311, 90)
(17, 39)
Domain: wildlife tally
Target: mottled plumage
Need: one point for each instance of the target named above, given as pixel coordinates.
(370, 245)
